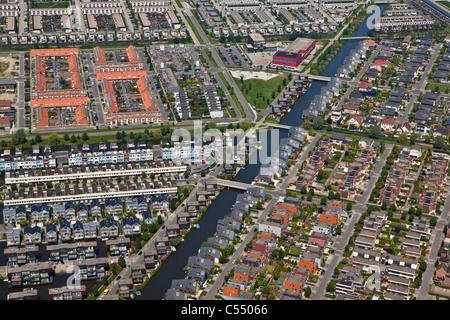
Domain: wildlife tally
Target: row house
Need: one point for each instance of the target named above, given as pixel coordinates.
(126, 288)
(92, 269)
(151, 259)
(310, 261)
(20, 256)
(131, 226)
(210, 253)
(109, 228)
(119, 246)
(162, 245)
(350, 284)
(160, 203)
(318, 238)
(12, 162)
(198, 275)
(12, 236)
(32, 235)
(366, 259)
(67, 293)
(113, 206)
(366, 239)
(436, 176)
(201, 263)
(27, 294)
(186, 286)
(31, 275)
(136, 204)
(183, 220)
(229, 224)
(173, 230)
(83, 159)
(72, 251)
(51, 233)
(12, 215)
(138, 273)
(40, 213)
(218, 243)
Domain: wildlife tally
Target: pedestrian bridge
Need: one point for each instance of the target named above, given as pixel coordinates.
(234, 184)
(316, 78)
(279, 126)
(355, 38)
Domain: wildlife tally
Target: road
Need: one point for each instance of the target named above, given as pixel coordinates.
(319, 289)
(419, 87)
(355, 81)
(94, 89)
(250, 114)
(436, 238)
(280, 190)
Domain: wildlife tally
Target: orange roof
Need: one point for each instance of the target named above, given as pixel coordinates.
(75, 78)
(114, 106)
(146, 100)
(61, 102)
(371, 43)
(44, 119)
(42, 85)
(81, 119)
(121, 75)
(101, 54)
(72, 64)
(5, 120)
(131, 55)
(40, 68)
(364, 84)
(54, 52)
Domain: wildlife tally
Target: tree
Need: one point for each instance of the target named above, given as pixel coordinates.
(330, 195)
(330, 287)
(318, 123)
(85, 136)
(439, 142)
(349, 206)
(403, 138)
(375, 132)
(307, 292)
(303, 190)
(122, 262)
(418, 212)
(105, 281)
(53, 139)
(245, 125)
(259, 206)
(19, 137)
(307, 124)
(73, 139)
(95, 291)
(38, 138)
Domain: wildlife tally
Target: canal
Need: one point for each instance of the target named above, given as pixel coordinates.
(173, 267)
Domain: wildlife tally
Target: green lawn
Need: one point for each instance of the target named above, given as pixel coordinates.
(197, 35)
(43, 5)
(235, 99)
(445, 3)
(260, 93)
(442, 87)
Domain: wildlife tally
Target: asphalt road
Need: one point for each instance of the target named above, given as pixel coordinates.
(319, 289)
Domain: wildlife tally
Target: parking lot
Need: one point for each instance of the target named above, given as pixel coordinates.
(233, 56)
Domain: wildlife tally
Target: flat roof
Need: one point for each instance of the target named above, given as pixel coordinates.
(256, 36)
(299, 44)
